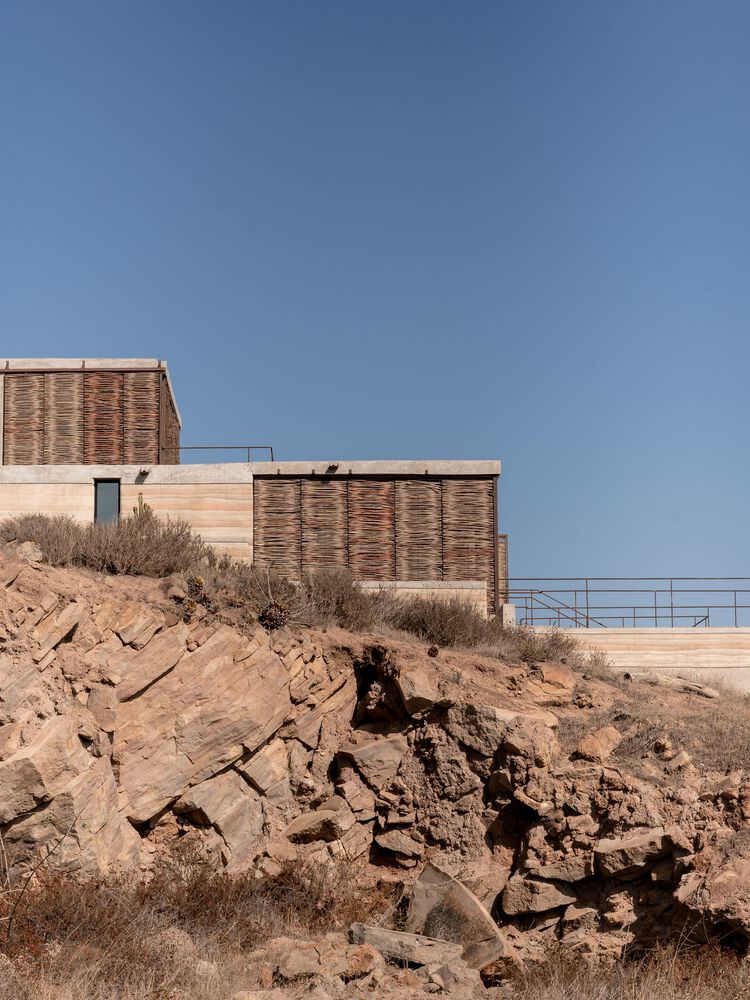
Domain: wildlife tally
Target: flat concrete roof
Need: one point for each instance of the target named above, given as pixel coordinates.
(227, 472)
(237, 472)
(42, 364)
(341, 467)
(90, 364)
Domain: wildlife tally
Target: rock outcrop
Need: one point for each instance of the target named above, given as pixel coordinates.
(128, 720)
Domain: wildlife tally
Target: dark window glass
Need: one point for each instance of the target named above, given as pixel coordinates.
(106, 500)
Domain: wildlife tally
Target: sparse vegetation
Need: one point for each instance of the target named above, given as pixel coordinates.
(122, 939)
(716, 733)
(189, 932)
(668, 973)
(140, 545)
(146, 545)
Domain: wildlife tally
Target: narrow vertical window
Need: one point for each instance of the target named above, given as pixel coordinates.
(106, 500)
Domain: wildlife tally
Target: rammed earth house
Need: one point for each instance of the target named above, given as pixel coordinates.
(85, 437)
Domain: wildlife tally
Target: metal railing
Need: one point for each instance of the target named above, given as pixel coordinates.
(606, 602)
(248, 449)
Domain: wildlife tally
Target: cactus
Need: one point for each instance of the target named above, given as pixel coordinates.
(142, 508)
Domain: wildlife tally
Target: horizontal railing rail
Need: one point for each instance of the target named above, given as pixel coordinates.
(248, 449)
(606, 602)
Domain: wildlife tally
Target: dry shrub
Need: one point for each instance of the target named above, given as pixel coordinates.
(122, 938)
(667, 973)
(141, 544)
(332, 597)
(716, 734)
(246, 587)
(454, 623)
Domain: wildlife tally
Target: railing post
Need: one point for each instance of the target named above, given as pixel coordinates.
(735, 609)
(656, 610)
(587, 603)
(671, 602)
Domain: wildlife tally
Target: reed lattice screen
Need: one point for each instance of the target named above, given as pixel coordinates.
(103, 417)
(385, 528)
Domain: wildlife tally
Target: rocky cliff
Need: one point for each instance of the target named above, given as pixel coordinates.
(510, 798)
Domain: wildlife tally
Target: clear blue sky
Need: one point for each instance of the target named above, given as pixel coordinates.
(406, 230)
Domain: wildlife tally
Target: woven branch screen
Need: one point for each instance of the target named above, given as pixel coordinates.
(141, 417)
(323, 523)
(23, 429)
(102, 417)
(469, 532)
(63, 423)
(73, 417)
(502, 569)
(419, 552)
(277, 525)
(380, 528)
(372, 535)
(171, 432)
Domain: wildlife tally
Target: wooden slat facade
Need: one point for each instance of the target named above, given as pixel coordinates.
(381, 528)
(100, 417)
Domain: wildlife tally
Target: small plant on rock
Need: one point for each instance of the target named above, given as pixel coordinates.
(274, 615)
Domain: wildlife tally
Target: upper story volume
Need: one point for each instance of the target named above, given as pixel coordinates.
(87, 411)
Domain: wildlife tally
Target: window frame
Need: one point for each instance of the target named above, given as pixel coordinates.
(97, 519)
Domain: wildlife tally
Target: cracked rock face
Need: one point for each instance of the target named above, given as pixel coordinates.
(125, 726)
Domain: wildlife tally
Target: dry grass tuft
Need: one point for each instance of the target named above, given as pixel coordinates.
(716, 733)
(668, 973)
(125, 938)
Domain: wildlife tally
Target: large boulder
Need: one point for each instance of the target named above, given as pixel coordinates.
(268, 771)
(377, 760)
(153, 660)
(227, 803)
(529, 895)
(440, 906)
(625, 857)
(216, 704)
(483, 728)
(599, 745)
(82, 824)
(400, 946)
(715, 897)
(34, 774)
(399, 843)
(417, 690)
(322, 824)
